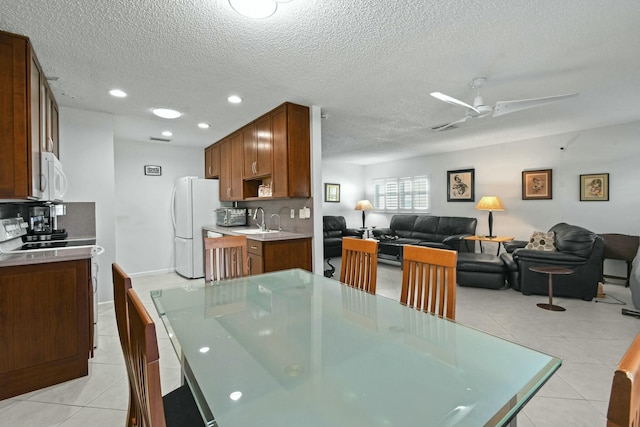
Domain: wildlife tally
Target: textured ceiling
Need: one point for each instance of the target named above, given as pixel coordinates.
(370, 65)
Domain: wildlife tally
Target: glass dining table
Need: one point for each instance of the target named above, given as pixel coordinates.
(292, 348)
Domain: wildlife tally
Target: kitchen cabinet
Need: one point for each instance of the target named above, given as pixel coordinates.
(291, 151)
(275, 255)
(231, 168)
(212, 161)
(47, 322)
(29, 119)
(256, 148)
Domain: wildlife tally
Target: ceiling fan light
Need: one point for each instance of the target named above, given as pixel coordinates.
(255, 9)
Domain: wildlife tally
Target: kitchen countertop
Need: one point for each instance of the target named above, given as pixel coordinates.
(43, 257)
(262, 237)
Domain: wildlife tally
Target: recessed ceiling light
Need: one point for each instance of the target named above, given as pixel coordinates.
(256, 9)
(166, 113)
(234, 99)
(236, 395)
(118, 93)
(167, 133)
(204, 125)
(204, 349)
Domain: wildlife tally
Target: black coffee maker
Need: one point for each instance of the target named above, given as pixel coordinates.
(43, 223)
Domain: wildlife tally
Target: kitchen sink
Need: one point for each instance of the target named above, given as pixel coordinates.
(255, 231)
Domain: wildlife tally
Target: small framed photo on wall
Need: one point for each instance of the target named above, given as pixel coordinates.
(594, 187)
(461, 185)
(536, 184)
(332, 193)
(152, 170)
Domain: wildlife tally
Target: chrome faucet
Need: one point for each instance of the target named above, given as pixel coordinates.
(279, 225)
(262, 226)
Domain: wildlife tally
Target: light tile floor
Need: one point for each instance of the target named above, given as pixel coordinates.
(590, 337)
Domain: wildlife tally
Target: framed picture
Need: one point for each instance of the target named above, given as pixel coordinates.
(460, 185)
(152, 170)
(332, 193)
(594, 187)
(536, 184)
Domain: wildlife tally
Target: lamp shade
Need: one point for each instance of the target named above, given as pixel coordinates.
(490, 203)
(363, 205)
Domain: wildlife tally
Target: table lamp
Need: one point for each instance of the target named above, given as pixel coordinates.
(363, 205)
(489, 203)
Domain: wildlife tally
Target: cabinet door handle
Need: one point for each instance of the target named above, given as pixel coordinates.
(253, 247)
(228, 191)
(249, 264)
(209, 169)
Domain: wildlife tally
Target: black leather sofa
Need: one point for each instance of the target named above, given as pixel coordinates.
(334, 228)
(443, 232)
(577, 248)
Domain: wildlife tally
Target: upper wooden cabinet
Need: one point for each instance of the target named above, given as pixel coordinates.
(212, 161)
(274, 151)
(291, 151)
(257, 147)
(231, 167)
(29, 119)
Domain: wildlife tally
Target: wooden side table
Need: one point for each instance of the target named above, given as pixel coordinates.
(550, 270)
(498, 239)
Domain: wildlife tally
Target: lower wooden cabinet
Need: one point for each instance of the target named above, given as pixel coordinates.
(278, 255)
(46, 322)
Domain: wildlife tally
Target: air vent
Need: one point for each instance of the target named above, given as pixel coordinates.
(153, 138)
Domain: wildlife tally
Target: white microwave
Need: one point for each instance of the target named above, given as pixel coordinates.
(54, 181)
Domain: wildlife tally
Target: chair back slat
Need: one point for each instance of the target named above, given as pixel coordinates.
(624, 403)
(225, 258)
(429, 280)
(359, 264)
(144, 359)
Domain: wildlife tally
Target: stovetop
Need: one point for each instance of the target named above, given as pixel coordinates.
(54, 244)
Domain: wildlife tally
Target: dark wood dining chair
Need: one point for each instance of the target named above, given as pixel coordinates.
(429, 280)
(121, 284)
(624, 403)
(225, 257)
(359, 264)
(175, 409)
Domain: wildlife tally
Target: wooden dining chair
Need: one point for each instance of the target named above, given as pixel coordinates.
(121, 284)
(175, 409)
(624, 403)
(225, 257)
(429, 280)
(359, 263)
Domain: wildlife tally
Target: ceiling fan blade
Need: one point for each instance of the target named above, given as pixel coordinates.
(448, 125)
(446, 98)
(505, 107)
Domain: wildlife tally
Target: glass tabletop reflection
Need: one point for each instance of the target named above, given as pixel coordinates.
(292, 348)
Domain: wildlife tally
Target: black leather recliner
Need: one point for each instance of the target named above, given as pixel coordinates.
(334, 228)
(577, 248)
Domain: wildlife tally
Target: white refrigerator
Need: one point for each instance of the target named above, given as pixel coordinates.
(194, 204)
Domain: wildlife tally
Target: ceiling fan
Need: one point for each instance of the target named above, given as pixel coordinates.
(479, 109)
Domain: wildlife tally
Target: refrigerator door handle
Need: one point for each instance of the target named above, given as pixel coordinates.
(173, 208)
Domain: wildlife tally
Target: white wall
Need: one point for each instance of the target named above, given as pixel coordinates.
(143, 203)
(86, 152)
(352, 188)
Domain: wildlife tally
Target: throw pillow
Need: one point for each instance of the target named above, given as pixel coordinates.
(542, 241)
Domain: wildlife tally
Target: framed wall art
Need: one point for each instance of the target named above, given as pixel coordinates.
(536, 184)
(594, 187)
(153, 170)
(332, 193)
(461, 185)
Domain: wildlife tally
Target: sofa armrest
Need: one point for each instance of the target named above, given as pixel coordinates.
(511, 246)
(352, 232)
(377, 232)
(455, 238)
(547, 257)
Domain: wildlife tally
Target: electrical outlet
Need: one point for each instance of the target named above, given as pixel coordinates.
(293, 213)
(249, 212)
(307, 212)
(301, 213)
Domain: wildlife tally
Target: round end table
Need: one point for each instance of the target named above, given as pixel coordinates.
(550, 270)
